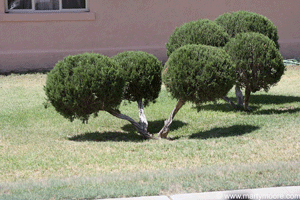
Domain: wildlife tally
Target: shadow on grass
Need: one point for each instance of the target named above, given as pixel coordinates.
(277, 100)
(234, 130)
(155, 126)
(257, 99)
(222, 107)
(129, 135)
(272, 99)
(281, 110)
(107, 136)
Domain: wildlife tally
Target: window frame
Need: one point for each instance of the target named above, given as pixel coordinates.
(60, 10)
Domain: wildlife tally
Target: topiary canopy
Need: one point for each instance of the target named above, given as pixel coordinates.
(142, 73)
(81, 85)
(202, 31)
(245, 21)
(258, 61)
(199, 73)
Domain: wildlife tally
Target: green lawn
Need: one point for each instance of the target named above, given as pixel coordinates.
(44, 156)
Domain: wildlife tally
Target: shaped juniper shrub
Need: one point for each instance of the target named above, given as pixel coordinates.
(245, 21)
(82, 85)
(142, 74)
(259, 64)
(202, 31)
(198, 74)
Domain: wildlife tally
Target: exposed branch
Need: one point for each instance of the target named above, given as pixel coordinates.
(247, 98)
(239, 98)
(143, 119)
(163, 133)
(230, 102)
(138, 127)
(239, 95)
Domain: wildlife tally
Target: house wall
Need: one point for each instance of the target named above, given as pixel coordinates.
(38, 41)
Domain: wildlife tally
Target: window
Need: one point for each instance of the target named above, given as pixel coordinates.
(45, 5)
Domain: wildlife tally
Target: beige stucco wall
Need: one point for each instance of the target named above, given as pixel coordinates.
(37, 41)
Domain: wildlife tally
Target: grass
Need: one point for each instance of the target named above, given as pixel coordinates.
(44, 156)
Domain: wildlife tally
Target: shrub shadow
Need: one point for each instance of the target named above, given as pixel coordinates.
(257, 99)
(107, 136)
(155, 126)
(272, 99)
(223, 107)
(235, 130)
(281, 110)
(129, 135)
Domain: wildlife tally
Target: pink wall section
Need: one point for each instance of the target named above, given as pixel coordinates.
(37, 41)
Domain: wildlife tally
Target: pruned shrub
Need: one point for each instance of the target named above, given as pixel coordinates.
(259, 64)
(202, 31)
(198, 74)
(245, 21)
(142, 74)
(84, 84)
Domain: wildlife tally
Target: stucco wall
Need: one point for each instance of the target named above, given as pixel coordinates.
(37, 41)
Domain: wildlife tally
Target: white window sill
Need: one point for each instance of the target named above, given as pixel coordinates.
(43, 17)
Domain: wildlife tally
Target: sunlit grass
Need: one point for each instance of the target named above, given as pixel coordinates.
(38, 145)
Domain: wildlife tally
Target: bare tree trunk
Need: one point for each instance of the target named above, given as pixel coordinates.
(239, 95)
(230, 102)
(138, 127)
(163, 133)
(239, 98)
(247, 98)
(143, 119)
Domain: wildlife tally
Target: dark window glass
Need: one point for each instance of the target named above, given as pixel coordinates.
(19, 4)
(73, 4)
(46, 4)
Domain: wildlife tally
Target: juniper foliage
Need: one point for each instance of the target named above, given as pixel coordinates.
(202, 31)
(81, 85)
(142, 73)
(245, 21)
(199, 73)
(259, 64)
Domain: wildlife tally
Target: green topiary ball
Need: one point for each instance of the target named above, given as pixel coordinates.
(81, 85)
(199, 73)
(202, 31)
(258, 61)
(142, 73)
(245, 21)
